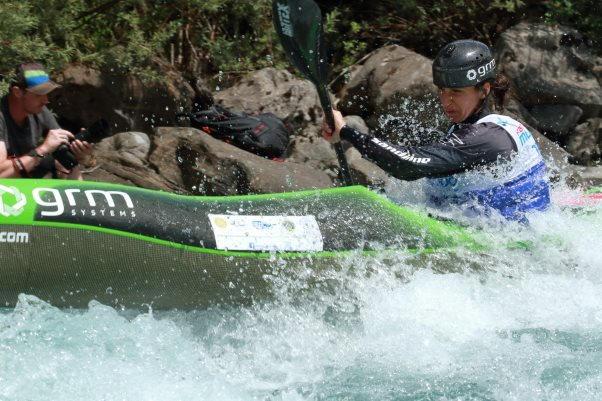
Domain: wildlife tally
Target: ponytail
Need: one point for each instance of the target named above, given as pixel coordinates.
(499, 88)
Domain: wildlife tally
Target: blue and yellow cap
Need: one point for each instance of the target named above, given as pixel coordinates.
(33, 78)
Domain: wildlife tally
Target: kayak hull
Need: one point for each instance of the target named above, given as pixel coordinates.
(71, 242)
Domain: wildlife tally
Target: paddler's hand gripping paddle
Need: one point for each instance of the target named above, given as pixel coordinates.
(299, 26)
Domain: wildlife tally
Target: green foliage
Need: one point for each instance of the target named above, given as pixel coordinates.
(196, 36)
(225, 37)
(356, 26)
(351, 48)
(585, 16)
(20, 39)
(508, 5)
(231, 35)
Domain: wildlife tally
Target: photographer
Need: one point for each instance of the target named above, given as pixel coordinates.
(24, 119)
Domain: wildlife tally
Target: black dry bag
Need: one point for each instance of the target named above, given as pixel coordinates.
(263, 134)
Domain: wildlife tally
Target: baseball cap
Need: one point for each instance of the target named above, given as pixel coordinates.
(33, 78)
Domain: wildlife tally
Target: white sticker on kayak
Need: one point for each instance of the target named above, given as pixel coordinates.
(266, 233)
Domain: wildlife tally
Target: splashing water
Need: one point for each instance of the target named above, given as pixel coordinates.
(411, 121)
(522, 325)
(526, 327)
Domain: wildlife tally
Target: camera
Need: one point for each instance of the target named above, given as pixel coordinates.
(95, 133)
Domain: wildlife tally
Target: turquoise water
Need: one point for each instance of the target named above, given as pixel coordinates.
(527, 325)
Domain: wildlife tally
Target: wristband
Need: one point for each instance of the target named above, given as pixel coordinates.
(18, 165)
(34, 153)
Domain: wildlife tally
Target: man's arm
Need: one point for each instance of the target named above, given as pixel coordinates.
(7, 169)
(10, 169)
(25, 164)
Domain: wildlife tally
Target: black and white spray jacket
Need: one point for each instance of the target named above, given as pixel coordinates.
(489, 161)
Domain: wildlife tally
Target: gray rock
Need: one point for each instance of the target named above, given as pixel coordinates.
(557, 159)
(122, 159)
(585, 142)
(545, 69)
(364, 172)
(203, 98)
(110, 171)
(410, 121)
(558, 119)
(391, 71)
(124, 100)
(519, 112)
(129, 148)
(589, 176)
(308, 147)
(207, 166)
(132, 147)
(314, 152)
(274, 91)
(597, 70)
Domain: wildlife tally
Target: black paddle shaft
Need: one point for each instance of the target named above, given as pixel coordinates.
(299, 26)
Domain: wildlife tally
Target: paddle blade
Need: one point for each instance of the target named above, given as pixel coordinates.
(299, 25)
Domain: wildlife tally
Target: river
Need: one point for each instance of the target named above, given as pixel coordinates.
(525, 325)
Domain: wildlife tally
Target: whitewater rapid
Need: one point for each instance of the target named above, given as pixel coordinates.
(527, 325)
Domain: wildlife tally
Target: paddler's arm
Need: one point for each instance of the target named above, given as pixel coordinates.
(409, 163)
(436, 160)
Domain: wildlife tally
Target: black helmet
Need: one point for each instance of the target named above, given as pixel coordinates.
(463, 63)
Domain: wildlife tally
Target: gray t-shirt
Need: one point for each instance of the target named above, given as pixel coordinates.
(20, 140)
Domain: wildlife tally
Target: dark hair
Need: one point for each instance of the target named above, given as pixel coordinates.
(499, 88)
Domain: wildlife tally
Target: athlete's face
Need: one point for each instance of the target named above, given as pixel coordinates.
(461, 103)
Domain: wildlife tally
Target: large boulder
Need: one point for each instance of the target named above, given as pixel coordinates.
(388, 74)
(364, 172)
(357, 123)
(558, 159)
(547, 65)
(589, 176)
(315, 152)
(207, 166)
(128, 148)
(311, 149)
(585, 142)
(556, 119)
(123, 159)
(555, 156)
(274, 91)
(125, 100)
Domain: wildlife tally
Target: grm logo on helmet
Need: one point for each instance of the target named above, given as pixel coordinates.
(16, 207)
(481, 71)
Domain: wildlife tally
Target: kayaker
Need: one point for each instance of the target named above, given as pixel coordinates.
(24, 120)
(486, 162)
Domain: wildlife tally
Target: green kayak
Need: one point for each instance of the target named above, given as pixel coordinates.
(69, 242)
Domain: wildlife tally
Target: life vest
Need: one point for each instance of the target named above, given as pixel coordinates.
(512, 188)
